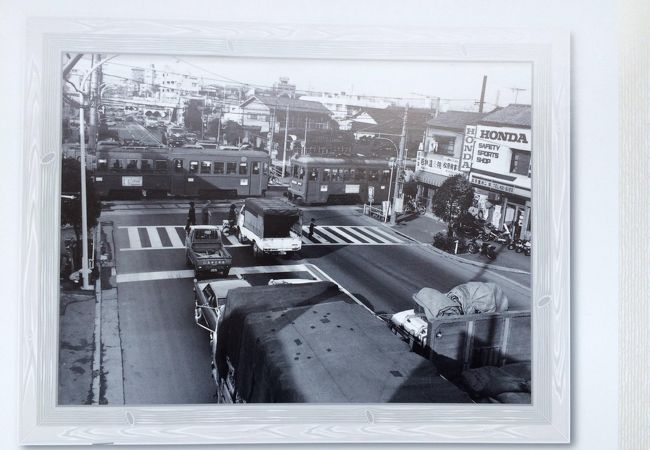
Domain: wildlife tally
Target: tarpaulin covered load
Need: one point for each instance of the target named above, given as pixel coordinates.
(469, 298)
(270, 218)
(270, 206)
(311, 343)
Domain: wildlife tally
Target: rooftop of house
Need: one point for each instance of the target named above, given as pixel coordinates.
(281, 104)
(516, 115)
(456, 120)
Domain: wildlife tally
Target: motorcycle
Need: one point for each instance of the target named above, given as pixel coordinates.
(483, 247)
(502, 237)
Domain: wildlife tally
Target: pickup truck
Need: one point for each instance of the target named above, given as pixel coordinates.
(272, 226)
(205, 252)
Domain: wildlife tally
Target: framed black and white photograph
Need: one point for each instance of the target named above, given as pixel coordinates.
(249, 233)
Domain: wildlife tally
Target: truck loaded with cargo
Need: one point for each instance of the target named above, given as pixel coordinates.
(313, 343)
(271, 226)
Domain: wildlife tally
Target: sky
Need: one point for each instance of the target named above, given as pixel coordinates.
(459, 83)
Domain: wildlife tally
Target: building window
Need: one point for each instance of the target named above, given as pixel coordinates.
(445, 145)
(520, 163)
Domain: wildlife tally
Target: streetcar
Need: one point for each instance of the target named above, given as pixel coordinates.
(183, 172)
(320, 179)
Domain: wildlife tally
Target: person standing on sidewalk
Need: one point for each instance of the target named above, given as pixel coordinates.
(312, 225)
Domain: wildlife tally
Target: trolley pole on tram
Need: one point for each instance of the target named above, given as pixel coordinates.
(398, 168)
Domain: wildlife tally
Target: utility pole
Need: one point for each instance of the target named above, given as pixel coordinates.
(271, 132)
(93, 96)
(398, 166)
(304, 147)
(482, 101)
(286, 132)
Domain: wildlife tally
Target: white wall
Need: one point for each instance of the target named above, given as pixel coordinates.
(594, 126)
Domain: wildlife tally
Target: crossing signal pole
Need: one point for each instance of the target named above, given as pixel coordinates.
(399, 164)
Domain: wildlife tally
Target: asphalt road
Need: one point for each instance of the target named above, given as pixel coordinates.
(166, 356)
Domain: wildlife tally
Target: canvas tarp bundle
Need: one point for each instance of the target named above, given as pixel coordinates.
(311, 343)
(270, 218)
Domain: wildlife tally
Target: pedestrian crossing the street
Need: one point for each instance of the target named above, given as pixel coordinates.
(172, 237)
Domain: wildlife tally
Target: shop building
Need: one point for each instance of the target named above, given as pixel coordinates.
(500, 168)
(442, 150)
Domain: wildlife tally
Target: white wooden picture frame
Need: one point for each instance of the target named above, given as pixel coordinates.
(546, 420)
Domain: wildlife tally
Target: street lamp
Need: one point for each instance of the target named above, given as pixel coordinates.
(82, 152)
(392, 167)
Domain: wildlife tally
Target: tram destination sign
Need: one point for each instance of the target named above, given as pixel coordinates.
(132, 181)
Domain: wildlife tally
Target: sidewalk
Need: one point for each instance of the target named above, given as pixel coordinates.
(423, 228)
(76, 345)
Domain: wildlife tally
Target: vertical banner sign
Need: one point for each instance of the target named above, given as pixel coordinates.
(468, 148)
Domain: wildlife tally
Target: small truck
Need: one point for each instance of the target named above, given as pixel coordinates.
(271, 226)
(205, 252)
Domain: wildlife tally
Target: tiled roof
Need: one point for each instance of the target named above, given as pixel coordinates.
(390, 120)
(294, 104)
(456, 120)
(515, 115)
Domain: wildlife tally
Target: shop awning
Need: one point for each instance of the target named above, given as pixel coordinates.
(432, 179)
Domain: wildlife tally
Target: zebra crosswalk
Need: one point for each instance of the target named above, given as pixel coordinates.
(173, 237)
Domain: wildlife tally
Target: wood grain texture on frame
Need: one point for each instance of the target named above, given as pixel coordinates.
(547, 420)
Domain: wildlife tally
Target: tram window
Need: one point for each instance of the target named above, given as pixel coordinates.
(255, 168)
(145, 165)
(327, 175)
(118, 164)
(231, 168)
(102, 164)
(206, 166)
(160, 166)
(178, 166)
(301, 173)
(295, 172)
(313, 175)
(194, 166)
(218, 167)
(385, 175)
(337, 174)
(266, 168)
(373, 174)
(360, 175)
(132, 164)
(243, 168)
(347, 174)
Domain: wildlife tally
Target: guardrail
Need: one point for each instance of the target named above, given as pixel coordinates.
(376, 212)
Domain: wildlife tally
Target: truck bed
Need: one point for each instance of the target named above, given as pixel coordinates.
(312, 343)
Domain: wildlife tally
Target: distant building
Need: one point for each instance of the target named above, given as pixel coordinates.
(440, 156)
(283, 88)
(343, 106)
